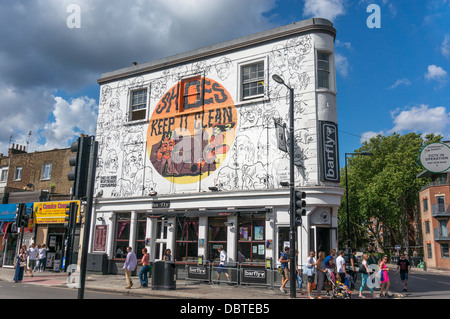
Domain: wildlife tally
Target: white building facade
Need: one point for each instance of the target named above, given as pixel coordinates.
(190, 157)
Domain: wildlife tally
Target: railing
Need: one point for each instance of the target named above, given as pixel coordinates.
(441, 234)
(440, 210)
(242, 274)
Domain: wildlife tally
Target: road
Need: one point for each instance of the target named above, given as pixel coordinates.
(421, 285)
(11, 290)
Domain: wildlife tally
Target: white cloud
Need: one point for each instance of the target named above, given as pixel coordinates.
(366, 136)
(399, 82)
(328, 9)
(342, 64)
(445, 47)
(70, 119)
(436, 73)
(422, 119)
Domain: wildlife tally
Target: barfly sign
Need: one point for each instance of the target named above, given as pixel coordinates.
(329, 151)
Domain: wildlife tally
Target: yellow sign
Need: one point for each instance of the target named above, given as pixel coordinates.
(53, 212)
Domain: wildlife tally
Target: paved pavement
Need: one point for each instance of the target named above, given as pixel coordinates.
(184, 289)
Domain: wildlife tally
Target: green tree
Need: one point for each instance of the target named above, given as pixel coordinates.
(383, 189)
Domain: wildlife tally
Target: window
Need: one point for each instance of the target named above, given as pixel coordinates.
(217, 236)
(429, 253)
(122, 237)
(18, 173)
(4, 175)
(252, 80)
(444, 251)
(440, 204)
(138, 105)
(427, 227)
(46, 171)
(323, 70)
(141, 230)
(186, 238)
(425, 204)
(251, 242)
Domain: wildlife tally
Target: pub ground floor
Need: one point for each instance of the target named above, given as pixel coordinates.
(251, 226)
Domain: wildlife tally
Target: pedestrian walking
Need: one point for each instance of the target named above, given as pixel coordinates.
(223, 263)
(284, 264)
(145, 262)
(167, 255)
(340, 266)
(403, 266)
(33, 253)
(20, 266)
(321, 273)
(25, 255)
(365, 272)
(129, 266)
(310, 269)
(42, 257)
(385, 283)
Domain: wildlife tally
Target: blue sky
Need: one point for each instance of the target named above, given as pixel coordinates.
(390, 79)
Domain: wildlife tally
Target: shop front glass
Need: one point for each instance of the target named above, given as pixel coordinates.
(186, 239)
(251, 243)
(122, 235)
(140, 238)
(217, 236)
(10, 249)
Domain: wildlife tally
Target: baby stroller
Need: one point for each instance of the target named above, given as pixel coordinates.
(338, 289)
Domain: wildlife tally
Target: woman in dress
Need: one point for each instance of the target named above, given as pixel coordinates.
(18, 275)
(385, 283)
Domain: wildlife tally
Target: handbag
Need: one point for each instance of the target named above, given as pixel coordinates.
(22, 264)
(308, 271)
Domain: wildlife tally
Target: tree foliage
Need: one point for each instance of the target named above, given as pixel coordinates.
(382, 188)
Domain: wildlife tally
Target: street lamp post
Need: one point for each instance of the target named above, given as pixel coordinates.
(346, 194)
(292, 232)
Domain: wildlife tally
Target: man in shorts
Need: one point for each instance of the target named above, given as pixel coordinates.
(222, 264)
(284, 261)
(403, 265)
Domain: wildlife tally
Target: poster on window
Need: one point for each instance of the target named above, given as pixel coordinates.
(259, 233)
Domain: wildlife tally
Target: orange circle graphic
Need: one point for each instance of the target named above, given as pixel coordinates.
(191, 130)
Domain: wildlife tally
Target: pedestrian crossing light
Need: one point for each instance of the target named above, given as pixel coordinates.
(80, 163)
(300, 203)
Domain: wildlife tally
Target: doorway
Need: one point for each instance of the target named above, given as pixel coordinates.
(323, 239)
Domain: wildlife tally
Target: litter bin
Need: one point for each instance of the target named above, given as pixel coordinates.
(163, 275)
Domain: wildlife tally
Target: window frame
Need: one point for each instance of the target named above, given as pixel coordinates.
(321, 70)
(4, 175)
(16, 173)
(145, 104)
(240, 83)
(49, 174)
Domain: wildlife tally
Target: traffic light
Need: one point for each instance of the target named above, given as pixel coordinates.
(19, 213)
(21, 216)
(300, 203)
(71, 214)
(80, 162)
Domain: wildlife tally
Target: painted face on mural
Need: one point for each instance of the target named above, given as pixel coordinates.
(191, 130)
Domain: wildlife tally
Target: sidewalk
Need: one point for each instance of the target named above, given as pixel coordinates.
(184, 289)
